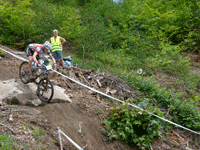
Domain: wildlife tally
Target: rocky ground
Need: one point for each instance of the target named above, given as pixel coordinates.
(33, 125)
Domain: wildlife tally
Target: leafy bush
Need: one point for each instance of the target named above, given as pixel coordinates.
(169, 60)
(183, 112)
(27, 22)
(132, 126)
(2, 54)
(16, 22)
(71, 27)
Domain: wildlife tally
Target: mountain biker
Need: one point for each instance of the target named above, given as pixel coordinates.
(57, 42)
(32, 52)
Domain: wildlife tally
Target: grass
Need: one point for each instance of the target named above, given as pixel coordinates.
(7, 143)
(37, 133)
(2, 54)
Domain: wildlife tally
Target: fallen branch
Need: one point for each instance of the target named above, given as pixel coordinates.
(132, 93)
(97, 107)
(98, 98)
(10, 106)
(151, 147)
(17, 110)
(85, 146)
(176, 144)
(168, 111)
(98, 74)
(80, 127)
(99, 83)
(14, 116)
(183, 141)
(69, 84)
(3, 125)
(82, 76)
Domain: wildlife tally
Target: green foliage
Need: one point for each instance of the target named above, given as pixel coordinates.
(15, 21)
(37, 133)
(22, 128)
(2, 54)
(6, 143)
(23, 22)
(135, 36)
(184, 112)
(132, 126)
(135, 33)
(65, 19)
(71, 28)
(169, 60)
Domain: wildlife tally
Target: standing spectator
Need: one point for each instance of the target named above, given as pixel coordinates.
(56, 43)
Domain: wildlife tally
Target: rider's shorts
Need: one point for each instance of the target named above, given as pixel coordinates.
(57, 55)
(30, 52)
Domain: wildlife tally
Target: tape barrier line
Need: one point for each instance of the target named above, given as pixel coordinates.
(133, 105)
(61, 146)
(104, 94)
(23, 59)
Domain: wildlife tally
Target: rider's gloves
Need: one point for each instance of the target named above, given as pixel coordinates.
(39, 65)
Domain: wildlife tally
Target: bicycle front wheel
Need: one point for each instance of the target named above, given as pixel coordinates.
(45, 90)
(24, 72)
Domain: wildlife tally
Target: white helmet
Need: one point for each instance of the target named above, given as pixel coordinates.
(47, 45)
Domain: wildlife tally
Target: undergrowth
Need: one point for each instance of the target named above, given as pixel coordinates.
(184, 112)
(2, 54)
(133, 126)
(6, 143)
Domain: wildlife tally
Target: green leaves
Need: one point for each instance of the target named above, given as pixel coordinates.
(184, 112)
(169, 59)
(7, 143)
(132, 126)
(26, 22)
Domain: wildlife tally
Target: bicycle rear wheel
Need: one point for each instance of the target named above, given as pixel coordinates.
(45, 90)
(24, 72)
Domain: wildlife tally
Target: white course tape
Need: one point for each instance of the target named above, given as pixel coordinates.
(133, 105)
(23, 59)
(76, 145)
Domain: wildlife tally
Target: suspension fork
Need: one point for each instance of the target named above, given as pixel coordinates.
(46, 84)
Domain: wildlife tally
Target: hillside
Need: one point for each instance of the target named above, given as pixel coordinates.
(152, 46)
(35, 127)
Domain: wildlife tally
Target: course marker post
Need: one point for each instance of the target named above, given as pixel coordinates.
(61, 146)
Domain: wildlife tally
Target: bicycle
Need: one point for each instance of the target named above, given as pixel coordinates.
(44, 85)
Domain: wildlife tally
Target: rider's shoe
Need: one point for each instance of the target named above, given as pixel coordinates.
(38, 73)
(32, 76)
(58, 70)
(37, 80)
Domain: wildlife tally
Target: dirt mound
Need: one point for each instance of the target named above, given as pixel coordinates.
(104, 82)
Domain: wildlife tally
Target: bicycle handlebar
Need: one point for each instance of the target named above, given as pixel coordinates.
(44, 67)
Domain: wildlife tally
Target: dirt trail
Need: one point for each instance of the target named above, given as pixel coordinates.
(85, 111)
